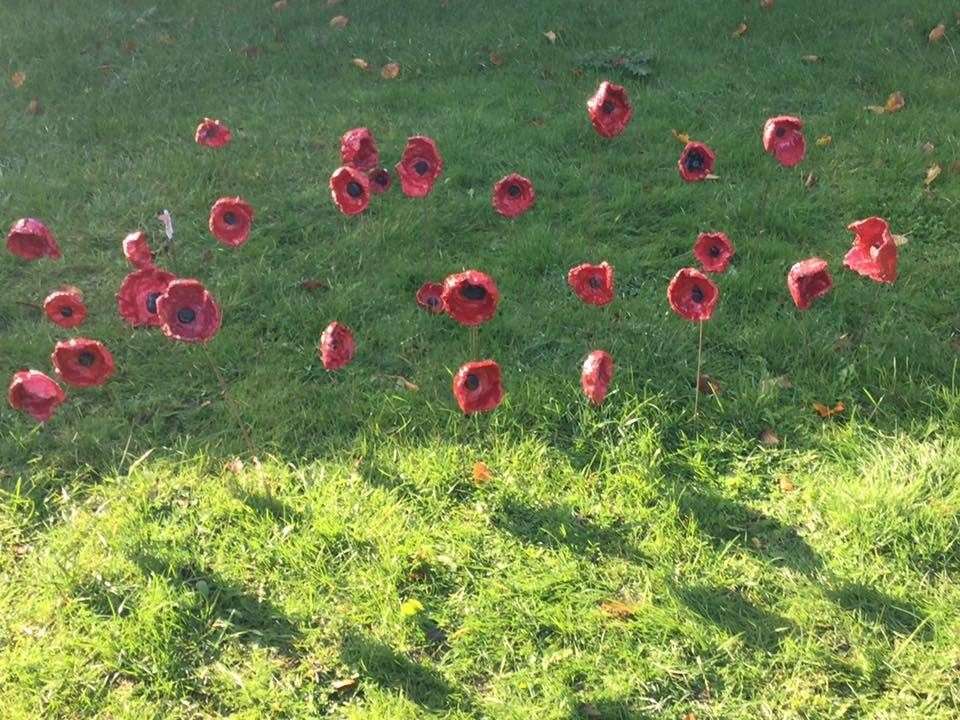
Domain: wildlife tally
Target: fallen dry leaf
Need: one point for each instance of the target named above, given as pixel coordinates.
(403, 382)
(551, 36)
(936, 35)
(900, 240)
(928, 147)
(811, 59)
(787, 485)
(235, 466)
(280, 6)
(18, 79)
(708, 386)
(481, 473)
(34, 107)
(361, 63)
(827, 412)
(680, 137)
(617, 609)
(496, 59)
(768, 438)
(810, 180)
(339, 21)
(933, 172)
(895, 102)
(390, 71)
(740, 31)
(824, 140)
(313, 284)
(767, 4)
(344, 684)
(689, 716)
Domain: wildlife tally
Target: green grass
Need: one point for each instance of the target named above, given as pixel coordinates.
(818, 579)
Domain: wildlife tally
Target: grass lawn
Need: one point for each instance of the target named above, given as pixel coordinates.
(622, 562)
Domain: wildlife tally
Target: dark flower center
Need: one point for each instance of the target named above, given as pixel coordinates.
(66, 312)
(353, 189)
(694, 161)
(608, 107)
(514, 190)
(211, 132)
(697, 294)
(230, 218)
(714, 251)
(473, 292)
(421, 167)
(382, 178)
(473, 382)
(594, 282)
(780, 131)
(86, 358)
(185, 316)
(152, 302)
(433, 301)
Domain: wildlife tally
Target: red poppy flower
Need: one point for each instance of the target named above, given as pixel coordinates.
(477, 387)
(609, 109)
(692, 295)
(380, 180)
(696, 162)
(513, 195)
(596, 376)
(358, 149)
(808, 280)
(137, 298)
(212, 133)
(419, 166)
(713, 251)
(136, 249)
(783, 138)
(188, 312)
(430, 297)
(592, 283)
(350, 190)
(65, 307)
(82, 362)
(36, 394)
(31, 240)
(337, 346)
(874, 251)
(470, 297)
(230, 220)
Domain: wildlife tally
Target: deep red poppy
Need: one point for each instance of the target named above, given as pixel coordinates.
(230, 220)
(350, 190)
(188, 312)
(470, 297)
(783, 138)
(337, 346)
(513, 195)
(692, 295)
(609, 109)
(65, 307)
(36, 394)
(874, 251)
(137, 298)
(212, 133)
(419, 166)
(596, 376)
(136, 249)
(358, 149)
(592, 283)
(30, 239)
(714, 251)
(477, 386)
(808, 280)
(430, 297)
(82, 362)
(380, 180)
(696, 162)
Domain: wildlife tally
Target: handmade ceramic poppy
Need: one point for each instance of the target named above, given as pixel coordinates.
(212, 133)
(609, 109)
(65, 307)
(230, 220)
(713, 250)
(477, 387)
(808, 280)
(696, 162)
(783, 138)
(430, 297)
(596, 376)
(350, 190)
(188, 312)
(692, 295)
(470, 297)
(30, 239)
(358, 149)
(874, 251)
(337, 346)
(136, 249)
(592, 283)
(137, 298)
(82, 362)
(380, 180)
(513, 195)
(419, 166)
(36, 394)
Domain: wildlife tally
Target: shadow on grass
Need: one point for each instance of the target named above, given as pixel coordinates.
(607, 710)
(731, 611)
(898, 617)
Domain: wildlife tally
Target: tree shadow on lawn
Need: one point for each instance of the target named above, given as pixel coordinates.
(734, 613)
(607, 710)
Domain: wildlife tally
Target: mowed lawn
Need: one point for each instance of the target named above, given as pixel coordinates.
(352, 560)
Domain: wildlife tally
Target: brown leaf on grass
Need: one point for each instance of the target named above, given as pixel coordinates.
(812, 59)
(34, 107)
(280, 6)
(312, 284)
(689, 716)
(403, 382)
(787, 485)
(740, 31)
(252, 51)
(18, 79)
(618, 610)
(767, 4)
(933, 172)
(895, 102)
(825, 411)
(768, 438)
(551, 36)
(129, 47)
(390, 71)
(345, 684)
(809, 180)
(496, 59)
(235, 466)
(680, 137)
(481, 473)
(824, 140)
(708, 386)
(361, 63)
(936, 35)
(339, 21)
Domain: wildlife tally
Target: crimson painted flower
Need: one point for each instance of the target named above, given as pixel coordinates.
(379, 180)
(783, 138)
(137, 298)
(713, 250)
(212, 133)
(513, 195)
(430, 297)
(470, 297)
(609, 109)
(188, 312)
(808, 280)
(874, 251)
(592, 283)
(31, 240)
(419, 166)
(82, 362)
(692, 295)
(596, 376)
(696, 162)
(230, 220)
(350, 190)
(337, 346)
(136, 249)
(36, 394)
(65, 307)
(477, 387)
(358, 149)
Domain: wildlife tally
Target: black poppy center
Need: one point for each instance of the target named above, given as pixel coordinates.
(230, 218)
(473, 382)
(514, 190)
(381, 178)
(608, 107)
(66, 312)
(594, 282)
(86, 358)
(212, 132)
(474, 292)
(697, 294)
(780, 131)
(353, 189)
(695, 161)
(185, 316)
(714, 251)
(421, 167)
(433, 301)
(152, 302)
